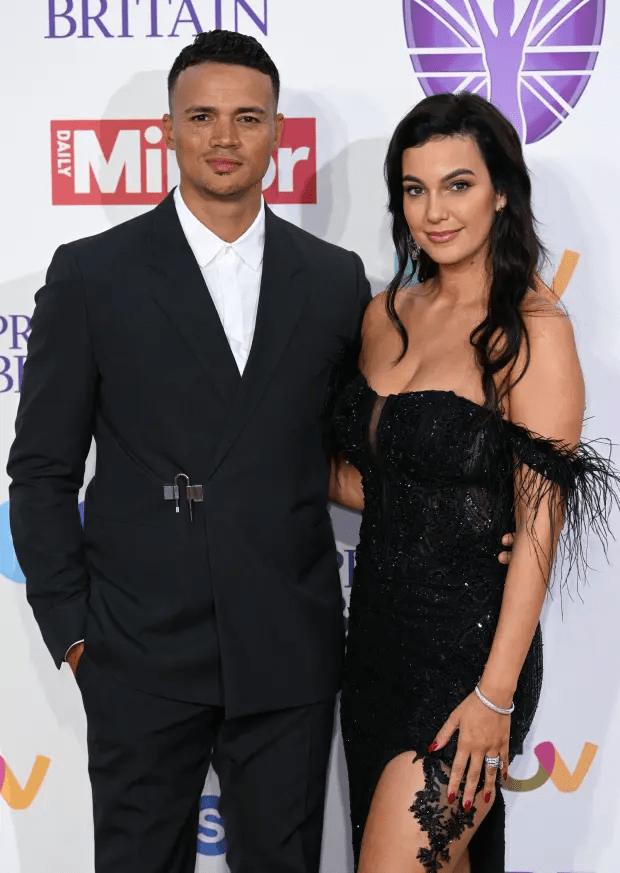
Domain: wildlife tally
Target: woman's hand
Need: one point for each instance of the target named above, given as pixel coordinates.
(481, 732)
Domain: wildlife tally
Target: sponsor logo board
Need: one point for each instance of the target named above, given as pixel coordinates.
(125, 162)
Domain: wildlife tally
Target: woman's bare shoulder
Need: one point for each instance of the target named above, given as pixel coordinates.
(377, 316)
(547, 322)
(542, 300)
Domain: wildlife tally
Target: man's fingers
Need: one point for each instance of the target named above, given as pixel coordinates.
(74, 656)
(508, 542)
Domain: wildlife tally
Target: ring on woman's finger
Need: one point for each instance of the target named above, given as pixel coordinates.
(493, 763)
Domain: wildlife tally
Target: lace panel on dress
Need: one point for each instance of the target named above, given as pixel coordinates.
(443, 822)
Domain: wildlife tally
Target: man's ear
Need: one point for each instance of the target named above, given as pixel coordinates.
(278, 131)
(166, 123)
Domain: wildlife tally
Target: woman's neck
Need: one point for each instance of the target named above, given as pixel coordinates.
(466, 283)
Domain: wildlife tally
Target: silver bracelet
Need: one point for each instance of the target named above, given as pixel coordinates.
(492, 706)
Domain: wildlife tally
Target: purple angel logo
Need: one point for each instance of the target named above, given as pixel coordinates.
(534, 65)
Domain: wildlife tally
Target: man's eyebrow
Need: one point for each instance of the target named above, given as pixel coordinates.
(242, 110)
(255, 110)
(460, 172)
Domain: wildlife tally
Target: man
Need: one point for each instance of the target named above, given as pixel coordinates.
(200, 609)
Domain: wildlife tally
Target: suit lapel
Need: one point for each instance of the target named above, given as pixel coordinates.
(282, 297)
(180, 291)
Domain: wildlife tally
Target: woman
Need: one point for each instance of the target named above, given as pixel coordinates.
(464, 421)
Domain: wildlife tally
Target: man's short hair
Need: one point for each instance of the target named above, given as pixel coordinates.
(225, 47)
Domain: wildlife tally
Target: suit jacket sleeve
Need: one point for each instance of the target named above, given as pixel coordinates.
(364, 294)
(54, 429)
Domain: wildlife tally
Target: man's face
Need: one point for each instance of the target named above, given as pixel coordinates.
(223, 127)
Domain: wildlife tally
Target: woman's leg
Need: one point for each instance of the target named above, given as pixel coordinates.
(411, 828)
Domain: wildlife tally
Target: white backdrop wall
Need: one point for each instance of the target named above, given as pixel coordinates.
(348, 77)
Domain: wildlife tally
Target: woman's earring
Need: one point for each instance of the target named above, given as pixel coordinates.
(414, 249)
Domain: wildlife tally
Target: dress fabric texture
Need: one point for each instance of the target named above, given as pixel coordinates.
(439, 474)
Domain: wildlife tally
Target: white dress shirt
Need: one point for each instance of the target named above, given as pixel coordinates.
(232, 273)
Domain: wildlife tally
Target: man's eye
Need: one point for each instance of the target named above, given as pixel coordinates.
(200, 117)
(249, 119)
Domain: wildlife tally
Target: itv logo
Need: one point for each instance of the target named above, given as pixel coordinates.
(16, 795)
(125, 162)
(551, 766)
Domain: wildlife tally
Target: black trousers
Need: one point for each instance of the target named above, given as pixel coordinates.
(148, 760)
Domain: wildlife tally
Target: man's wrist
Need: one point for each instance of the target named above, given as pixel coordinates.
(73, 648)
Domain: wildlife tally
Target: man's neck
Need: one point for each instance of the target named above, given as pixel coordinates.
(228, 218)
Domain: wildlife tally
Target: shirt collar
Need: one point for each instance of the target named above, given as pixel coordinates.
(206, 245)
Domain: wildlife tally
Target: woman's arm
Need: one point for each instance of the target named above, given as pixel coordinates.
(548, 401)
(345, 484)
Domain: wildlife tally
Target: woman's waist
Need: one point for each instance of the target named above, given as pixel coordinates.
(440, 560)
(445, 518)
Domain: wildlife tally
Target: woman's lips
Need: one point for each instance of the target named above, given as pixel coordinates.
(443, 237)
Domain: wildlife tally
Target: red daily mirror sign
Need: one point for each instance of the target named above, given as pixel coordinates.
(126, 162)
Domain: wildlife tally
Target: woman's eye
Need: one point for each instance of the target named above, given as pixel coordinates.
(461, 186)
(414, 191)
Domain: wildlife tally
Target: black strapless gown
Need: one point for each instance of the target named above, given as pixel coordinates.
(438, 474)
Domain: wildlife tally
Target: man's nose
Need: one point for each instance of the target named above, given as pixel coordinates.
(224, 133)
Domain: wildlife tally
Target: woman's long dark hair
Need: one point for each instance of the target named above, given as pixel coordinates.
(516, 251)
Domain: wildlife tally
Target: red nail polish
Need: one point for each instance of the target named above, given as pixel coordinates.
(467, 805)
(433, 746)
(451, 797)
(487, 797)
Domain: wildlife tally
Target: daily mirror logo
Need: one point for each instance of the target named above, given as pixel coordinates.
(125, 162)
(108, 162)
(532, 58)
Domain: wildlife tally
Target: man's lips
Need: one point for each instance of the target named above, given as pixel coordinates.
(443, 236)
(222, 165)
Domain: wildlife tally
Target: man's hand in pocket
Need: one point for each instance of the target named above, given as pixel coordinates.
(73, 656)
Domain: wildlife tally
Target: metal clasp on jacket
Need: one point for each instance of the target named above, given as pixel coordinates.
(192, 492)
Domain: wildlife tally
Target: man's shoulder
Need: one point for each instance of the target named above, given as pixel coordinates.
(127, 239)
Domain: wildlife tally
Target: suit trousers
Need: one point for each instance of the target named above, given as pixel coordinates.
(148, 760)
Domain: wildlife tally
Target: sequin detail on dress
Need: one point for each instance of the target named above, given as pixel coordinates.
(439, 475)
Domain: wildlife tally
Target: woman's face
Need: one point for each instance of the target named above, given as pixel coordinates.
(448, 198)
